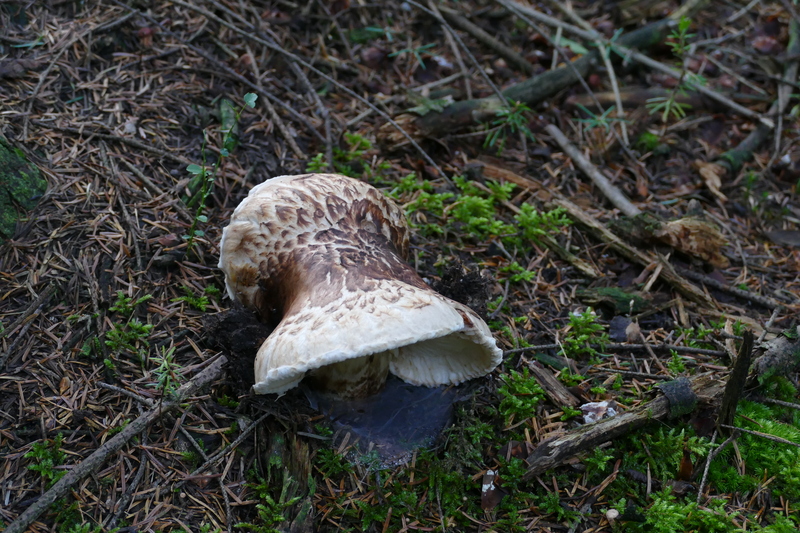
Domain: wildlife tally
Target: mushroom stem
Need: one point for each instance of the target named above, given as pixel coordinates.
(357, 378)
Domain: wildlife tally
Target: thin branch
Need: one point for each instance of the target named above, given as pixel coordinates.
(448, 33)
(630, 53)
(321, 110)
(277, 48)
(614, 195)
(767, 436)
(566, 8)
(113, 445)
(455, 18)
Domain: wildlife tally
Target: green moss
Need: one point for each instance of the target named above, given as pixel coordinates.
(21, 186)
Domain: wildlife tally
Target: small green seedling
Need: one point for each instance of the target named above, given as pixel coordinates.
(131, 337)
(196, 302)
(510, 119)
(47, 456)
(206, 176)
(603, 121)
(125, 305)
(520, 396)
(583, 334)
(271, 512)
(416, 52)
(669, 106)
(168, 374)
(516, 273)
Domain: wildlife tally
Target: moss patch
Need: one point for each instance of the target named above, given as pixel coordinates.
(21, 186)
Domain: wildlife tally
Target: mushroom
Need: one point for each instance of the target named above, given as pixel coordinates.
(323, 257)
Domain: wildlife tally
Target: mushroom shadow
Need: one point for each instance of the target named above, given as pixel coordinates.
(387, 427)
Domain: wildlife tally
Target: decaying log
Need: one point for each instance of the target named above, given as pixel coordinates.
(530, 92)
(702, 389)
(113, 445)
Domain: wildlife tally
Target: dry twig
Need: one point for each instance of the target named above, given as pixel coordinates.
(96, 459)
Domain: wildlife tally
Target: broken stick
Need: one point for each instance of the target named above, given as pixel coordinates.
(704, 388)
(113, 445)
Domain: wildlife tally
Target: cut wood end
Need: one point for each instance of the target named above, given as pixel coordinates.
(390, 135)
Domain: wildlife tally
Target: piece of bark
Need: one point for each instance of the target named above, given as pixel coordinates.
(113, 445)
(779, 356)
(734, 389)
(552, 452)
(692, 234)
(553, 388)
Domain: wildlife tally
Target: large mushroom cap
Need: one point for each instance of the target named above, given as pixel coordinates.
(324, 254)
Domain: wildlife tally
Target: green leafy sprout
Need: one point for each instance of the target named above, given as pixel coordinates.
(270, 511)
(47, 456)
(582, 335)
(126, 305)
(206, 177)
(510, 119)
(516, 273)
(416, 52)
(669, 106)
(196, 302)
(520, 395)
(604, 121)
(131, 337)
(350, 160)
(167, 374)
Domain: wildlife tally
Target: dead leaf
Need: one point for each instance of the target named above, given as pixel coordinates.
(169, 240)
(695, 237)
(712, 174)
(516, 448)
(686, 467)
(375, 57)
(785, 237)
(64, 385)
(633, 333)
(680, 488)
(491, 494)
(338, 5)
(594, 411)
(617, 328)
(16, 68)
(766, 45)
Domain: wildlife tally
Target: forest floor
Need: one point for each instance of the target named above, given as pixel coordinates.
(125, 371)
